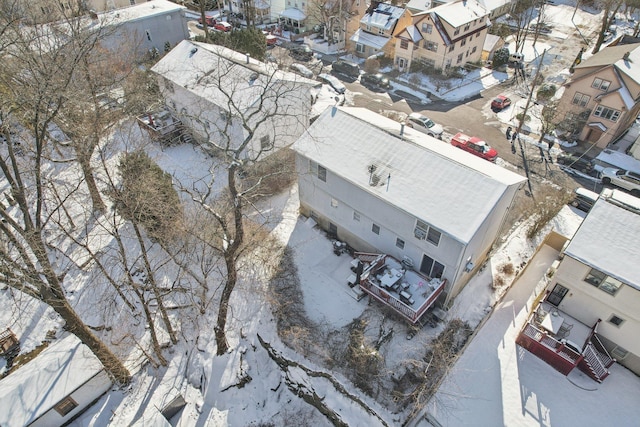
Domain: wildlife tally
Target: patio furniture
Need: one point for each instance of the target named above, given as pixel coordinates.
(539, 315)
(565, 330)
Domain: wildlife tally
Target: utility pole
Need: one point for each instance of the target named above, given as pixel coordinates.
(523, 117)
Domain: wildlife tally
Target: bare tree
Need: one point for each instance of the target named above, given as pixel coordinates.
(254, 112)
(36, 74)
(609, 10)
(331, 16)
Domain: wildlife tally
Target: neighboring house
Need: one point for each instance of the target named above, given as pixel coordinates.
(212, 89)
(602, 98)
(58, 384)
(389, 189)
(154, 26)
(446, 36)
(594, 294)
(497, 8)
(376, 29)
(491, 44)
(41, 11)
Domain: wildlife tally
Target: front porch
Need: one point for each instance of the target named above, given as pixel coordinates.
(564, 343)
(393, 283)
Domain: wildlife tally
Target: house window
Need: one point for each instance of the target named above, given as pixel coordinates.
(600, 84)
(477, 35)
(65, 406)
(265, 143)
(381, 31)
(580, 99)
(452, 47)
(322, 173)
(459, 59)
(148, 34)
(400, 243)
(431, 267)
(433, 236)
(602, 281)
(427, 28)
(463, 42)
(376, 229)
(433, 47)
(607, 113)
(619, 353)
(616, 320)
(360, 48)
(466, 27)
(404, 44)
(132, 2)
(474, 49)
(356, 216)
(456, 32)
(334, 203)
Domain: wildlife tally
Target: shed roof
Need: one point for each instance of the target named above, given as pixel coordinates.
(54, 374)
(449, 188)
(217, 74)
(368, 39)
(607, 240)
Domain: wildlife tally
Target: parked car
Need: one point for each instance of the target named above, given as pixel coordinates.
(627, 180)
(474, 145)
(375, 81)
(333, 82)
(425, 125)
(222, 26)
(271, 40)
(347, 68)
(301, 52)
(584, 199)
(500, 103)
(301, 70)
(582, 164)
(210, 20)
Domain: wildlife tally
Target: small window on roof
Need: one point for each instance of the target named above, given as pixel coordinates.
(65, 406)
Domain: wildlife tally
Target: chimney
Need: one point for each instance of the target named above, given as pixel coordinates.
(625, 56)
(248, 56)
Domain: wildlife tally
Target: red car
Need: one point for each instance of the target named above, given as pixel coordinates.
(211, 21)
(222, 26)
(500, 103)
(474, 145)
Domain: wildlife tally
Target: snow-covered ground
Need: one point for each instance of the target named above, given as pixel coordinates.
(493, 383)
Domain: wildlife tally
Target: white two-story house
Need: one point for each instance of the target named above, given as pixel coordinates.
(446, 36)
(389, 189)
(222, 96)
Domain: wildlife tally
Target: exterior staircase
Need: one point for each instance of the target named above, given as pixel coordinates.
(596, 361)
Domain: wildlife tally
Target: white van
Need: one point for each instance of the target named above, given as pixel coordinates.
(516, 57)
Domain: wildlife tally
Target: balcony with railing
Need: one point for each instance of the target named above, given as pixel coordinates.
(396, 285)
(565, 343)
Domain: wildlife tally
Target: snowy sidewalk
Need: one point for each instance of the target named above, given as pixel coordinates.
(500, 383)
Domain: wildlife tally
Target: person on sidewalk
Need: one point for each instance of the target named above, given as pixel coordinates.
(508, 134)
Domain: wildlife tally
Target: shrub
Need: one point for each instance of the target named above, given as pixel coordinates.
(500, 57)
(248, 40)
(147, 196)
(519, 117)
(546, 92)
(506, 268)
(372, 65)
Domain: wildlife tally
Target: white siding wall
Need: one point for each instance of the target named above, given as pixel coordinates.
(588, 304)
(85, 395)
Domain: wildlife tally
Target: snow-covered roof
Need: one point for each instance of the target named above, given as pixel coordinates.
(491, 5)
(54, 374)
(449, 188)
(419, 5)
(203, 68)
(294, 14)
(615, 55)
(139, 11)
(411, 32)
(383, 16)
(369, 39)
(490, 41)
(608, 240)
(458, 13)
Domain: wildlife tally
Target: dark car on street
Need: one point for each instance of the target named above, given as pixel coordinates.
(346, 68)
(575, 162)
(375, 81)
(301, 52)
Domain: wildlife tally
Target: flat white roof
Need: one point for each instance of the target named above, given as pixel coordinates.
(139, 11)
(449, 188)
(54, 374)
(368, 39)
(607, 240)
(217, 74)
